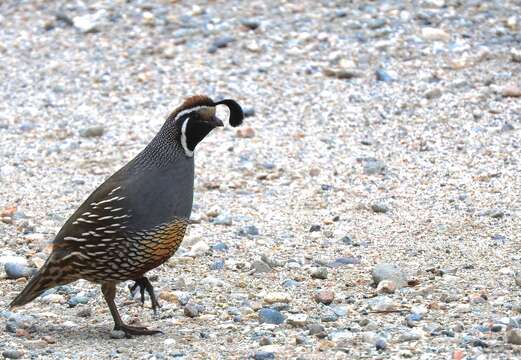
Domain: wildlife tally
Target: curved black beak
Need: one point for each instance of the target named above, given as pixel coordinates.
(236, 114)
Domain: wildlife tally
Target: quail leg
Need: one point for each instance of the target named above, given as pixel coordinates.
(109, 292)
(144, 284)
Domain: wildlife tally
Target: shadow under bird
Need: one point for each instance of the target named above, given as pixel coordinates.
(137, 218)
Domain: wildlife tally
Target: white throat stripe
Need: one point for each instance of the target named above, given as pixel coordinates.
(188, 152)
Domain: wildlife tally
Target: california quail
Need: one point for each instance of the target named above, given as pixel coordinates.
(137, 218)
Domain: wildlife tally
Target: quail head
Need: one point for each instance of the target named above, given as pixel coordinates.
(137, 218)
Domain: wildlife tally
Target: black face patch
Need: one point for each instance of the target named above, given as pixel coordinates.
(196, 130)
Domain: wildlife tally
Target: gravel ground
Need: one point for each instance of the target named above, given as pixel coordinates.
(382, 147)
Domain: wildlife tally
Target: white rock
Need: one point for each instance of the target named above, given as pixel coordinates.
(199, 249)
(277, 297)
(52, 299)
(297, 320)
(435, 34)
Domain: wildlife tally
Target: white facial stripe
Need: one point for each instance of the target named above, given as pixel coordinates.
(188, 152)
(195, 108)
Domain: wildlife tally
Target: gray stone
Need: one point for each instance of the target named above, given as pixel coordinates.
(251, 24)
(264, 355)
(343, 261)
(217, 265)
(260, 266)
(382, 75)
(374, 166)
(93, 131)
(17, 270)
(289, 283)
(117, 334)
(270, 316)
(319, 273)
(248, 230)
(408, 336)
(315, 329)
(192, 310)
(223, 219)
(12, 354)
(84, 312)
(379, 208)
(328, 315)
(380, 344)
(80, 298)
(432, 93)
(222, 41)
(514, 336)
(391, 272)
(271, 261)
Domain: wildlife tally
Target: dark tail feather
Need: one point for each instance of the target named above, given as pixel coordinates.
(35, 287)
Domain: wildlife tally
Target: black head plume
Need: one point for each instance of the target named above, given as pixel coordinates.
(236, 114)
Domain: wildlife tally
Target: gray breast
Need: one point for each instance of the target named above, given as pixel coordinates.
(157, 195)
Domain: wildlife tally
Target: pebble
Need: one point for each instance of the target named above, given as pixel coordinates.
(52, 299)
(435, 34)
(516, 55)
(408, 336)
(297, 320)
(514, 336)
(392, 272)
(251, 24)
(382, 304)
(248, 230)
(86, 23)
(380, 344)
(374, 166)
(16, 270)
(289, 283)
(217, 265)
(324, 297)
(260, 266)
(315, 228)
(265, 340)
(277, 297)
(343, 74)
(219, 43)
(248, 111)
(343, 261)
(433, 93)
(80, 298)
(270, 316)
(192, 310)
(316, 329)
(379, 208)
(271, 261)
(92, 132)
(511, 91)
(12, 354)
(264, 355)
(200, 248)
(117, 334)
(220, 247)
(319, 273)
(84, 312)
(382, 75)
(386, 287)
(328, 315)
(222, 219)
(246, 132)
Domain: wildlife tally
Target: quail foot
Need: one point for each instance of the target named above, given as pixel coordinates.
(137, 218)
